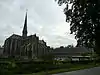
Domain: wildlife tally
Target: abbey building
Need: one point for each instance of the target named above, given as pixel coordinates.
(25, 46)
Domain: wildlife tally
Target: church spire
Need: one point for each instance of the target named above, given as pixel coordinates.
(24, 33)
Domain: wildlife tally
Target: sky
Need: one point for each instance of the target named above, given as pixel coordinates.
(45, 18)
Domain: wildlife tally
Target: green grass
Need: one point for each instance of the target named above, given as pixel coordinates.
(73, 68)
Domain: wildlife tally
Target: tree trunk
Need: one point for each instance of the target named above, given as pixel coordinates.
(97, 46)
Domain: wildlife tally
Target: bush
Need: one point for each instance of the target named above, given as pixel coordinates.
(31, 67)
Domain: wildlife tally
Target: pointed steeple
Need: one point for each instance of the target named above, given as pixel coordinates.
(24, 33)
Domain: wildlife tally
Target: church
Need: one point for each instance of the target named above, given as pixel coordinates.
(25, 46)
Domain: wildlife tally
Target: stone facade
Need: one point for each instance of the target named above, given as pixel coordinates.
(25, 46)
(1, 51)
(12, 45)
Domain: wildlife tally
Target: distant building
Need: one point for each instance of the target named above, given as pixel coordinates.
(75, 53)
(24, 46)
(1, 51)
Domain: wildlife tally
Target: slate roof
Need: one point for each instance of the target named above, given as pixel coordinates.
(71, 50)
(15, 36)
(41, 41)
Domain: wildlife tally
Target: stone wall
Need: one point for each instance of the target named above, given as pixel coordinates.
(30, 47)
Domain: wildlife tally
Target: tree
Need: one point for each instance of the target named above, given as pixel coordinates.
(70, 46)
(84, 18)
(61, 47)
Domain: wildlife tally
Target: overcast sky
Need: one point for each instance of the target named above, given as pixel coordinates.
(45, 18)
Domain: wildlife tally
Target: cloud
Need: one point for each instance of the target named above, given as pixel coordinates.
(45, 18)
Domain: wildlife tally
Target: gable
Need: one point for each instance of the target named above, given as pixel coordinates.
(15, 36)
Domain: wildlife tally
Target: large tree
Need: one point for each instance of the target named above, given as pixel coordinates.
(84, 18)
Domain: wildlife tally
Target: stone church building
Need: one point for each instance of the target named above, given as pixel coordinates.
(25, 46)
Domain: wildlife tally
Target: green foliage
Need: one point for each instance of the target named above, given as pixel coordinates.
(28, 67)
(25, 67)
(48, 57)
(84, 18)
(70, 46)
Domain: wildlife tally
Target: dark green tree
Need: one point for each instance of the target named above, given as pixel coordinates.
(84, 18)
(70, 46)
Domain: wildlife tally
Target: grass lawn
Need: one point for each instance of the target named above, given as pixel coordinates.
(73, 68)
